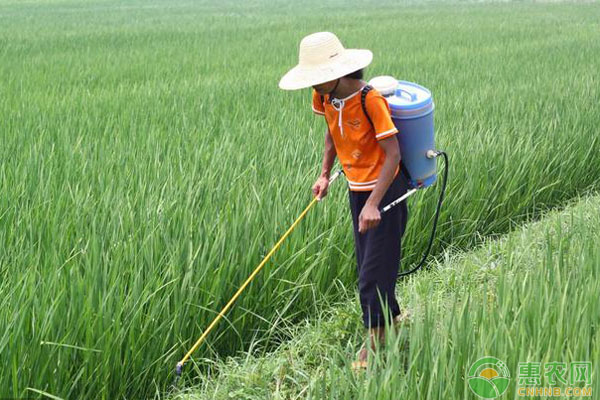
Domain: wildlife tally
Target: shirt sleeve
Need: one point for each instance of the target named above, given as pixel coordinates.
(379, 112)
(317, 104)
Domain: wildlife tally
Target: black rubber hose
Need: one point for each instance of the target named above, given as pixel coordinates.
(435, 220)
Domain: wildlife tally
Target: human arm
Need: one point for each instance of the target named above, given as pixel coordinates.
(385, 133)
(370, 216)
(319, 189)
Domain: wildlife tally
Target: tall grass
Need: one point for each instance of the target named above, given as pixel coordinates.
(149, 162)
(540, 306)
(530, 296)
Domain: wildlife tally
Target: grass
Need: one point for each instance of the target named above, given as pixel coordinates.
(529, 296)
(149, 162)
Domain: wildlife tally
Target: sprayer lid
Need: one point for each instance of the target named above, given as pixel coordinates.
(409, 96)
(408, 99)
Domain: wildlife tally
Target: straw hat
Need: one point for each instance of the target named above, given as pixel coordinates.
(323, 58)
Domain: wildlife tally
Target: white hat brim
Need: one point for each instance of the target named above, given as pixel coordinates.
(302, 77)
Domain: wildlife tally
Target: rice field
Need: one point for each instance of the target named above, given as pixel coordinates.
(530, 295)
(149, 162)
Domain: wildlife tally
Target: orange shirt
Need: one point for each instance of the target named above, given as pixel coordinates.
(354, 138)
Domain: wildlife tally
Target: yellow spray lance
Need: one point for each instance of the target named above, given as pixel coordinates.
(180, 364)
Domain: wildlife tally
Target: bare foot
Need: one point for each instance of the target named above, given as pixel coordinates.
(361, 362)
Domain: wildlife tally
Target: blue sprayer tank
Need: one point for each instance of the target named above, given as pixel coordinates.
(411, 108)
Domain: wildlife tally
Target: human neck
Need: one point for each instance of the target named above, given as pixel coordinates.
(346, 87)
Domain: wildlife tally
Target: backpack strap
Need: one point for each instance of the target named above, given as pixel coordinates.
(363, 103)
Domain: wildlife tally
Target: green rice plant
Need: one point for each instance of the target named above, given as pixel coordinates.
(149, 162)
(530, 296)
(540, 306)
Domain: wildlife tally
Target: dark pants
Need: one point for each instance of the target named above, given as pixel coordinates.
(378, 252)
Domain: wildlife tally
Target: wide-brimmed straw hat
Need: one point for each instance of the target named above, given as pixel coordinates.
(323, 58)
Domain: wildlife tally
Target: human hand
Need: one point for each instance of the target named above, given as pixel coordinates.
(319, 189)
(369, 218)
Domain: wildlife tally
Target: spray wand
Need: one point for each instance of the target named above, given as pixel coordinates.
(180, 364)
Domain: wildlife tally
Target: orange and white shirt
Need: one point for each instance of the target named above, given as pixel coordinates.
(355, 139)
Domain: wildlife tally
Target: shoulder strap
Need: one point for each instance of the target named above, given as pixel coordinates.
(363, 98)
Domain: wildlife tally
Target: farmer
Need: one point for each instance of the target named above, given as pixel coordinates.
(368, 150)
